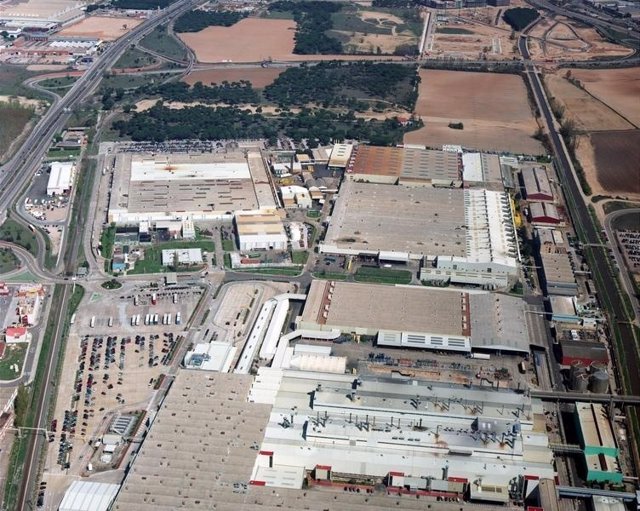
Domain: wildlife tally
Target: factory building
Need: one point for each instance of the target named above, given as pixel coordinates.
(468, 233)
(418, 317)
(536, 184)
(340, 156)
(60, 178)
(544, 214)
(260, 230)
(182, 256)
(556, 267)
(369, 427)
(295, 197)
(412, 166)
(584, 352)
(200, 186)
(480, 169)
(88, 496)
(600, 451)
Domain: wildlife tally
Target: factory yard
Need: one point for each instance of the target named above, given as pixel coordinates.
(588, 113)
(618, 88)
(103, 27)
(255, 39)
(259, 77)
(493, 108)
(610, 161)
(110, 370)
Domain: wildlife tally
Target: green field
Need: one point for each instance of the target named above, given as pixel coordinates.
(383, 275)
(453, 31)
(290, 272)
(164, 44)
(314, 213)
(134, 58)
(130, 81)
(14, 119)
(299, 257)
(330, 275)
(228, 245)
(60, 85)
(14, 354)
(14, 232)
(62, 154)
(152, 262)
(8, 261)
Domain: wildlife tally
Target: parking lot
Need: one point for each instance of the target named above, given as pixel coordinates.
(112, 368)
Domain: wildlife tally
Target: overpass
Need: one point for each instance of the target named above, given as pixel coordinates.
(572, 397)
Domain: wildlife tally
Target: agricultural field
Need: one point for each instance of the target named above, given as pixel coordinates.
(610, 161)
(563, 39)
(259, 77)
(103, 27)
(618, 88)
(493, 108)
(587, 112)
(255, 39)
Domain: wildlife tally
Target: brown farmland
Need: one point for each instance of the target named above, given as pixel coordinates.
(588, 113)
(618, 88)
(493, 108)
(249, 40)
(617, 159)
(104, 27)
(259, 77)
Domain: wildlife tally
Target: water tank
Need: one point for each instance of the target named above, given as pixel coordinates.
(597, 366)
(600, 382)
(578, 377)
(580, 383)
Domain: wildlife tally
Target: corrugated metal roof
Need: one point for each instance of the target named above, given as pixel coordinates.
(88, 496)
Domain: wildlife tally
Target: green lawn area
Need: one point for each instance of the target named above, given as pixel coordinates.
(383, 275)
(330, 275)
(14, 354)
(227, 260)
(107, 239)
(14, 232)
(60, 85)
(8, 261)
(14, 119)
(130, 81)
(228, 245)
(299, 256)
(292, 272)
(164, 44)
(62, 154)
(152, 262)
(134, 58)
(314, 213)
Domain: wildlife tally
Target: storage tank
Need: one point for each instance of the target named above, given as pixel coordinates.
(580, 382)
(600, 382)
(597, 366)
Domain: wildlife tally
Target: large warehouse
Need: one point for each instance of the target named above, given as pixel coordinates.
(148, 187)
(419, 317)
(60, 178)
(260, 230)
(467, 236)
(536, 184)
(405, 165)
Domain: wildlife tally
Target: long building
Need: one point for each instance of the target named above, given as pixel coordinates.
(536, 184)
(419, 317)
(60, 178)
(405, 165)
(260, 230)
(148, 187)
(401, 432)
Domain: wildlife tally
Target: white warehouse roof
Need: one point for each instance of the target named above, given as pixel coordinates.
(60, 178)
(88, 496)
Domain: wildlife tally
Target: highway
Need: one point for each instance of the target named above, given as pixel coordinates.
(604, 277)
(17, 173)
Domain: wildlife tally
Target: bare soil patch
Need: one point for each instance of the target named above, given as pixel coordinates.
(491, 41)
(588, 113)
(250, 40)
(618, 88)
(259, 77)
(493, 108)
(103, 27)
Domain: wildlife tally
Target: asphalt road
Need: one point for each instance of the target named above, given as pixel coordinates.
(604, 277)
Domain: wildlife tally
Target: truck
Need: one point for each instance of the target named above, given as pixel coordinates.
(178, 318)
(137, 319)
(135, 300)
(73, 319)
(169, 319)
(147, 319)
(110, 322)
(92, 323)
(175, 297)
(154, 299)
(155, 319)
(480, 356)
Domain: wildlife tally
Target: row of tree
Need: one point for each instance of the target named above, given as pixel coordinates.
(319, 126)
(194, 21)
